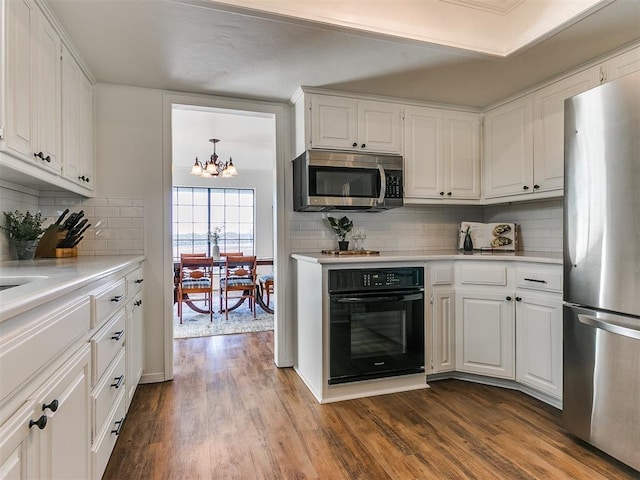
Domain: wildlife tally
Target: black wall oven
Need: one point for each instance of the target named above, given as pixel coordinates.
(376, 323)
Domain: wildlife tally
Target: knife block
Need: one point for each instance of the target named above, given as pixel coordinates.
(66, 252)
(49, 241)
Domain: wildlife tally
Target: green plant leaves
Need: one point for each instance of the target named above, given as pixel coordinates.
(23, 226)
(340, 226)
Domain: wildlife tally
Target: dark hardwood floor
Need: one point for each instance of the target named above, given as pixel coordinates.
(231, 414)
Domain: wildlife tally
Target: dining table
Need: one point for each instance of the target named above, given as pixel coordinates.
(220, 263)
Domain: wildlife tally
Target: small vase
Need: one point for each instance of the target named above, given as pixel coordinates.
(468, 243)
(23, 249)
(343, 245)
(215, 252)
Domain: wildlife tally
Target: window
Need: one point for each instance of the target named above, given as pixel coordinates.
(198, 212)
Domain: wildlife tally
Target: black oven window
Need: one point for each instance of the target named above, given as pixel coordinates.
(380, 333)
(344, 182)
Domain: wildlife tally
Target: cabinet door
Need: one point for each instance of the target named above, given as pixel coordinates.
(379, 127)
(22, 19)
(134, 346)
(77, 124)
(423, 153)
(444, 341)
(47, 105)
(461, 155)
(539, 341)
(508, 149)
(548, 131)
(621, 65)
(485, 333)
(65, 441)
(334, 122)
(19, 457)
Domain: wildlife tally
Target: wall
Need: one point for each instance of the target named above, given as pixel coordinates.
(128, 127)
(540, 223)
(407, 228)
(432, 228)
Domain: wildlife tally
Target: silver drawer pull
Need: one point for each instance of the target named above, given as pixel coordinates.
(117, 298)
(117, 335)
(535, 280)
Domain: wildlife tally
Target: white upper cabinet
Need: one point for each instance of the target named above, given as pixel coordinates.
(32, 127)
(621, 65)
(442, 155)
(524, 141)
(548, 128)
(47, 115)
(344, 123)
(77, 124)
(508, 149)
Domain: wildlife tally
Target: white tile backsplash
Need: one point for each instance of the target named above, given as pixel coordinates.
(117, 224)
(539, 223)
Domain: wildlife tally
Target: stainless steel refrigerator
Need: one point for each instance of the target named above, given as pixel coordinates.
(601, 316)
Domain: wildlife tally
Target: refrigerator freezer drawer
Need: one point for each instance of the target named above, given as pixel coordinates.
(601, 385)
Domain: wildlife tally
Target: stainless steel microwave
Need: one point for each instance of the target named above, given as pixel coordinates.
(331, 180)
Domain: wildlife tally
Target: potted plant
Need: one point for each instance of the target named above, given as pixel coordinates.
(215, 236)
(341, 226)
(23, 230)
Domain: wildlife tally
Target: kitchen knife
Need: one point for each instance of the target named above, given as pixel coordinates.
(74, 231)
(71, 239)
(77, 241)
(61, 216)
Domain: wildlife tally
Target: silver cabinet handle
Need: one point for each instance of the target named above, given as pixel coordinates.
(624, 330)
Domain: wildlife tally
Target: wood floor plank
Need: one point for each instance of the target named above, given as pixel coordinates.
(230, 413)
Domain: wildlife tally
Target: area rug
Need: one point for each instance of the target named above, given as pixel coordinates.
(241, 320)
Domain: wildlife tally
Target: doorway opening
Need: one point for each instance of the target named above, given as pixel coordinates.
(212, 216)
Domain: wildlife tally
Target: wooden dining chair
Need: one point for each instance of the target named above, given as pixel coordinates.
(239, 278)
(266, 286)
(196, 277)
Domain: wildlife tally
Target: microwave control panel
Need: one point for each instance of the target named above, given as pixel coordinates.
(394, 186)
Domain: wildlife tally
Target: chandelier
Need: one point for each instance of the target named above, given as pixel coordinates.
(214, 167)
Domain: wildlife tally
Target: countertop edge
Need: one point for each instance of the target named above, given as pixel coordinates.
(531, 257)
(56, 285)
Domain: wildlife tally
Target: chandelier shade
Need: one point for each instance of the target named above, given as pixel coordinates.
(214, 167)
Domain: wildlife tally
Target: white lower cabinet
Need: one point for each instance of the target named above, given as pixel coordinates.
(539, 341)
(48, 437)
(444, 344)
(485, 333)
(64, 399)
(64, 440)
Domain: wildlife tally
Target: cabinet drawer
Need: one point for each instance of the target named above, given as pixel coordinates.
(539, 278)
(442, 275)
(134, 282)
(108, 300)
(106, 438)
(106, 344)
(483, 275)
(107, 390)
(44, 337)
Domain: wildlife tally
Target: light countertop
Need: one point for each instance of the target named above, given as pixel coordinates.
(430, 255)
(50, 278)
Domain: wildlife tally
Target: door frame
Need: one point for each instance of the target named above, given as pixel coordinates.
(283, 348)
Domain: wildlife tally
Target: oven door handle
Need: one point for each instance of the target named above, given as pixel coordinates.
(383, 299)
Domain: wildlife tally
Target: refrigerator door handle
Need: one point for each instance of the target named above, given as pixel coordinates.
(624, 330)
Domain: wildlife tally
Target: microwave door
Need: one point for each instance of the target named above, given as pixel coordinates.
(344, 187)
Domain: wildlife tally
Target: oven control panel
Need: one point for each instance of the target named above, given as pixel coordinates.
(361, 279)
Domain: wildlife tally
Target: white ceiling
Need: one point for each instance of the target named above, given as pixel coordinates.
(443, 51)
(212, 48)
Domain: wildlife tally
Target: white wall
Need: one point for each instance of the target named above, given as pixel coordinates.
(129, 164)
